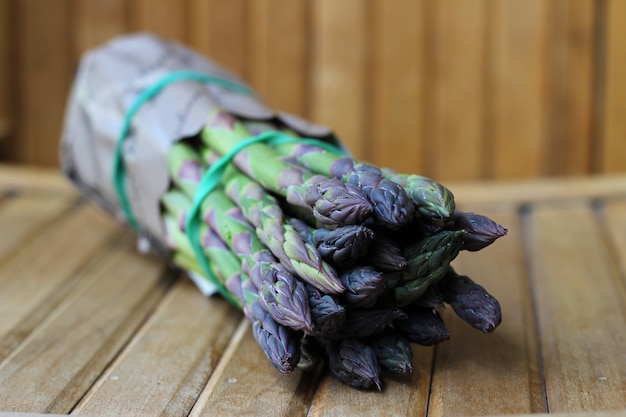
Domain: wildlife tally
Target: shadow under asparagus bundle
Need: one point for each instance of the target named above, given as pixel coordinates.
(329, 258)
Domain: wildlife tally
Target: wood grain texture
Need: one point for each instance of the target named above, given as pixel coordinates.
(165, 17)
(456, 89)
(26, 297)
(44, 65)
(518, 90)
(398, 83)
(6, 74)
(614, 145)
(401, 395)
(91, 327)
(277, 52)
(96, 22)
(476, 90)
(581, 309)
(339, 70)
(218, 29)
(23, 217)
(572, 63)
(191, 358)
(483, 369)
(82, 335)
(245, 384)
(614, 223)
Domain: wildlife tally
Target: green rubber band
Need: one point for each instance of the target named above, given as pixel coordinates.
(213, 176)
(119, 168)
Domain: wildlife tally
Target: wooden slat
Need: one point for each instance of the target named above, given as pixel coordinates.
(43, 271)
(23, 217)
(167, 373)
(456, 92)
(6, 74)
(397, 85)
(277, 52)
(615, 226)
(245, 384)
(164, 17)
(218, 29)
(401, 395)
(33, 179)
(96, 22)
(614, 123)
(481, 370)
(56, 366)
(581, 309)
(532, 191)
(572, 59)
(339, 76)
(518, 93)
(45, 70)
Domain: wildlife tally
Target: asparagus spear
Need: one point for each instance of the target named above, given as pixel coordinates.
(331, 201)
(428, 261)
(363, 286)
(342, 246)
(367, 322)
(431, 199)
(328, 316)
(392, 207)
(354, 363)
(480, 231)
(263, 211)
(470, 301)
(385, 254)
(423, 326)
(281, 294)
(279, 343)
(393, 351)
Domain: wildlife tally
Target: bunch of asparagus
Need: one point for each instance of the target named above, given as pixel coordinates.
(328, 257)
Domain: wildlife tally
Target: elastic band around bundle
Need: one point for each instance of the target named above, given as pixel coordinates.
(213, 176)
(119, 168)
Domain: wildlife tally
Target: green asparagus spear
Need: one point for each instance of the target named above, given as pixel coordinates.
(330, 200)
(392, 207)
(263, 211)
(428, 261)
(431, 199)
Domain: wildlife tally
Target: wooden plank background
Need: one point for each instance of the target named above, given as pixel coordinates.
(456, 90)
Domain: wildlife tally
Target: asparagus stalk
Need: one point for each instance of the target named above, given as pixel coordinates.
(480, 231)
(393, 351)
(328, 315)
(392, 207)
(354, 363)
(423, 326)
(431, 199)
(279, 343)
(330, 201)
(342, 246)
(363, 286)
(281, 294)
(263, 211)
(470, 301)
(428, 261)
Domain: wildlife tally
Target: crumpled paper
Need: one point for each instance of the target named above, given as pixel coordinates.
(108, 81)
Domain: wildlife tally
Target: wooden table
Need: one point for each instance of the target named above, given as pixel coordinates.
(88, 326)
